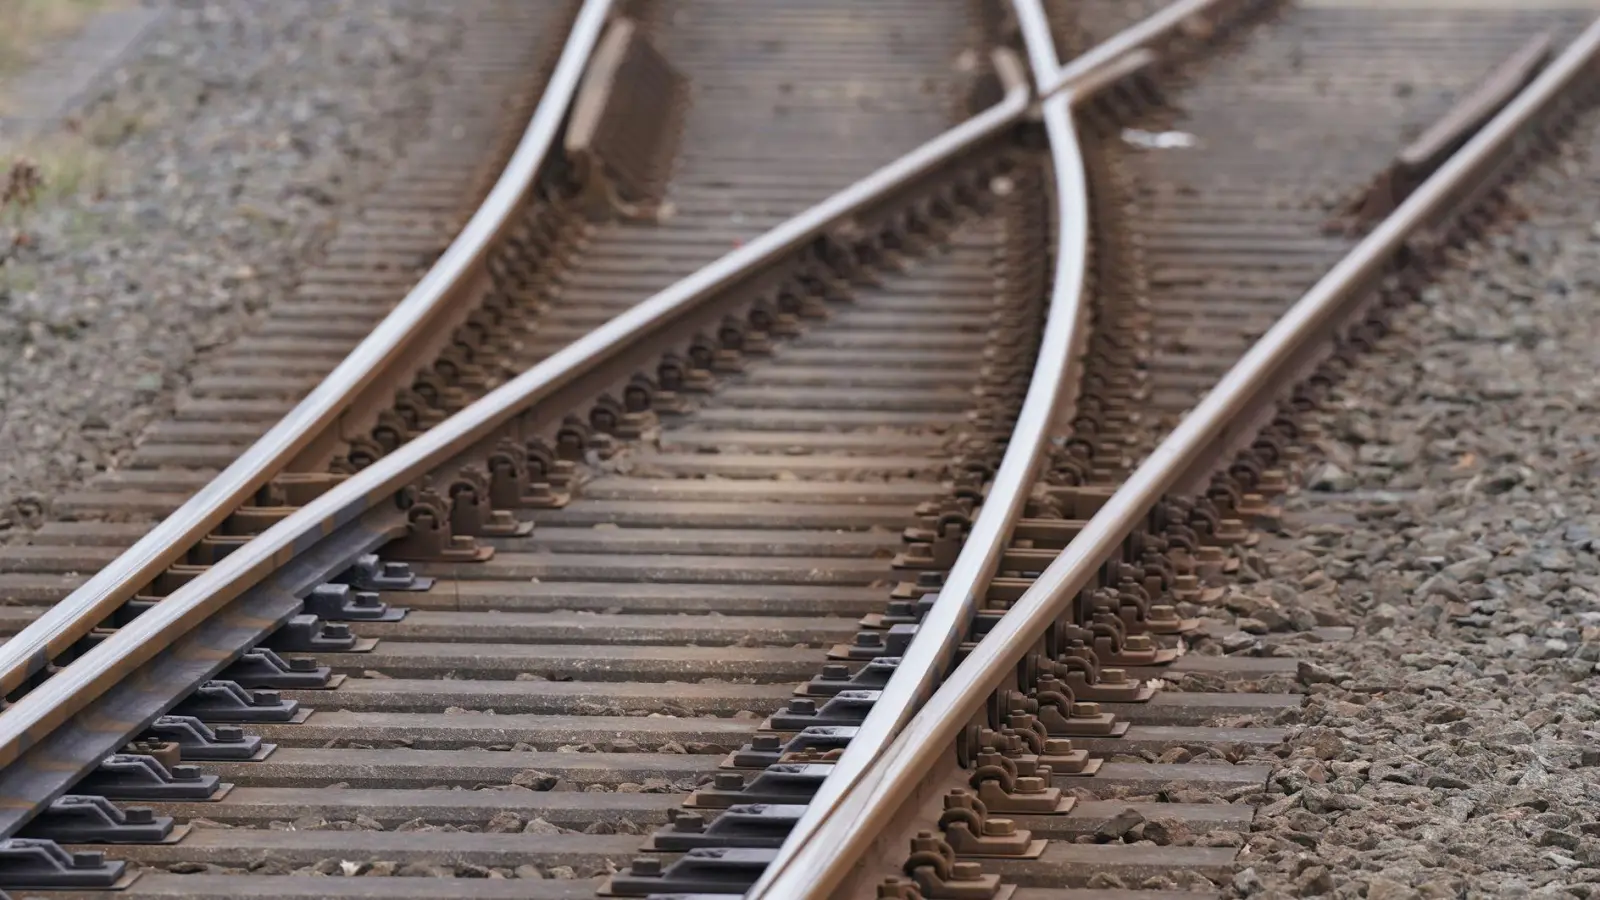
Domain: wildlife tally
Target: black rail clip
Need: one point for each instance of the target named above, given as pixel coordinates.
(905, 612)
(306, 633)
(843, 708)
(198, 741)
(745, 825)
(368, 573)
(780, 784)
(714, 870)
(264, 668)
(871, 644)
(343, 603)
(836, 677)
(77, 819)
(131, 776)
(768, 749)
(33, 864)
(225, 701)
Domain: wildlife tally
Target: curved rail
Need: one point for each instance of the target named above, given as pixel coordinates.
(583, 362)
(1220, 425)
(946, 624)
(413, 320)
(811, 863)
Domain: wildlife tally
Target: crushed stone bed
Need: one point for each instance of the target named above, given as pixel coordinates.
(183, 203)
(1451, 513)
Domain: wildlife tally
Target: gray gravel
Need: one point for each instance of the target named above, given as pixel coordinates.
(1453, 748)
(231, 144)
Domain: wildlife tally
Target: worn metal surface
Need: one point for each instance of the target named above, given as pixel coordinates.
(602, 670)
(599, 358)
(1223, 423)
(50, 767)
(1419, 159)
(424, 309)
(966, 263)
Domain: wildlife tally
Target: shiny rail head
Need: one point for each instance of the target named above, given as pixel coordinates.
(54, 633)
(1424, 155)
(946, 625)
(1216, 429)
(586, 369)
(1180, 24)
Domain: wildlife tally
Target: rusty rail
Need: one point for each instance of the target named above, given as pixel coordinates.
(417, 319)
(909, 772)
(593, 362)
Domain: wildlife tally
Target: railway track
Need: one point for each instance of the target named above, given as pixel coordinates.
(601, 493)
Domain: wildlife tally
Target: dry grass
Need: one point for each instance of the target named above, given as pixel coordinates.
(61, 174)
(30, 24)
(58, 170)
(70, 165)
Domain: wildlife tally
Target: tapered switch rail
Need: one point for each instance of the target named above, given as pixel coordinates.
(945, 624)
(1052, 391)
(1192, 17)
(627, 85)
(912, 772)
(589, 367)
(1423, 156)
(415, 319)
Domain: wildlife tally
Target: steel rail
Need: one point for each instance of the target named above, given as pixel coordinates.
(806, 864)
(803, 863)
(1222, 423)
(163, 545)
(1130, 40)
(945, 625)
(43, 708)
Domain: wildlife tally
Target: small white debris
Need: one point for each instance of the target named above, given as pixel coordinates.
(1159, 140)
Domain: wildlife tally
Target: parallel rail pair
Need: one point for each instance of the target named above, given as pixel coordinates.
(891, 754)
(832, 852)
